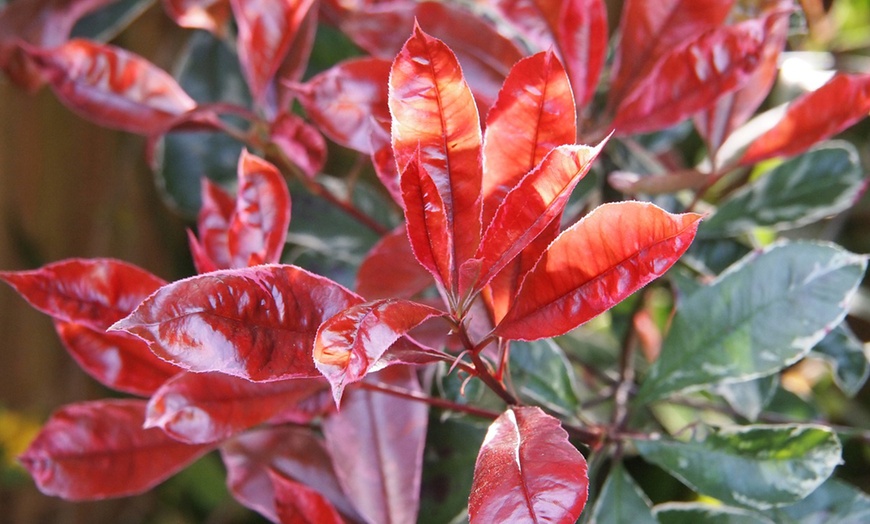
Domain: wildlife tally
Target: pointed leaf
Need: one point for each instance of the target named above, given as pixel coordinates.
(527, 210)
(621, 501)
(533, 114)
(390, 269)
(211, 15)
(651, 29)
(212, 251)
(113, 87)
(614, 251)
(527, 471)
(849, 358)
(348, 102)
(692, 77)
(766, 312)
(293, 453)
(117, 360)
(92, 292)
(738, 465)
(376, 442)
(434, 118)
(198, 408)
(82, 448)
(350, 344)
(800, 191)
(256, 323)
(301, 143)
(813, 118)
(298, 504)
(266, 30)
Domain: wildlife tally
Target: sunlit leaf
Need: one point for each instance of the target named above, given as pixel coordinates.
(621, 501)
(198, 408)
(756, 466)
(300, 142)
(211, 15)
(527, 471)
(763, 314)
(257, 323)
(211, 251)
(82, 448)
(594, 264)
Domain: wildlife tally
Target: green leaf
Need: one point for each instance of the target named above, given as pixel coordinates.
(693, 512)
(713, 256)
(749, 398)
(835, 502)
(847, 356)
(621, 501)
(803, 190)
(542, 374)
(763, 314)
(755, 466)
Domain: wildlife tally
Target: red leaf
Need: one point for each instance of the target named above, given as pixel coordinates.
(212, 252)
(117, 360)
(532, 205)
(266, 30)
(292, 452)
(533, 114)
(527, 471)
(257, 323)
(594, 264)
(296, 62)
(348, 102)
(113, 87)
(298, 504)
(390, 269)
(576, 28)
(434, 118)
(692, 77)
(427, 223)
(350, 344)
(376, 442)
(91, 292)
(651, 29)
(95, 450)
(301, 143)
(198, 408)
(813, 117)
(211, 15)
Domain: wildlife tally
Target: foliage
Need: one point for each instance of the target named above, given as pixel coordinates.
(514, 178)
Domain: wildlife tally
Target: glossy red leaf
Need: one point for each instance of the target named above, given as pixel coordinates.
(376, 442)
(532, 205)
(593, 265)
(533, 114)
(198, 408)
(295, 63)
(292, 452)
(527, 471)
(301, 143)
(266, 30)
(427, 223)
(577, 29)
(692, 77)
(298, 504)
(390, 269)
(435, 120)
(113, 87)
(348, 102)
(211, 15)
(350, 344)
(813, 117)
(651, 29)
(92, 292)
(212, 251)
(96, 450)
(257, 323)
(117, 360)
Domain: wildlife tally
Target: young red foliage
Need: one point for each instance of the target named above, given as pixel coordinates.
(527, 471)
(300, 142)
(390, 269)
(211, 15)
(296, 503)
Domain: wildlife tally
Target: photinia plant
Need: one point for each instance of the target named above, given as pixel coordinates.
(470, 322)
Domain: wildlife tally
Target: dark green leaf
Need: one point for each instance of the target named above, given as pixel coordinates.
(209, 71)
(749, 398)
(846, 354)
(763, 314)
(542, 374)
(692, 513)
(835, 502)
(822, 182)
(755, 466)
(713, 256)
(621, 501)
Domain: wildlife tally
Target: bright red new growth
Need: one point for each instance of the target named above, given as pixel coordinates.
(390, 269)
(211, 15)
(298, 504)
(527, 471)
(300, 142)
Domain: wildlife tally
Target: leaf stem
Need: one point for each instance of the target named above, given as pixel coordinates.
(432, 401)
(482, 370)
